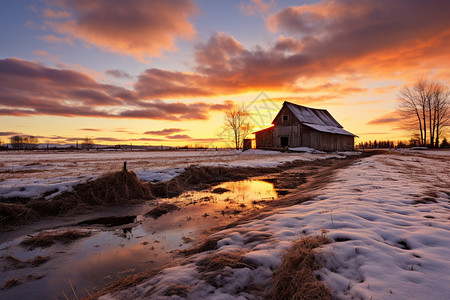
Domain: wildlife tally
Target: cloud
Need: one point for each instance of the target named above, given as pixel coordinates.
(56, 39)
(166, 131)
(46, 55)
(178, 137)
(90, 129)
(369, 36)
(252, 7)
(28, 88)
(9, 133)
(53, 14)
(140, 28)
(118, 74)
(348, 40)
(388, 118)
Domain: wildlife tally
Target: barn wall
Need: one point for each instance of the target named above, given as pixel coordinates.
(285, 111)
(264, 139)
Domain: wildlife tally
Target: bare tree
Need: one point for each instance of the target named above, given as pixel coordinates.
(425, 106)
(237, 120)
(87, 143)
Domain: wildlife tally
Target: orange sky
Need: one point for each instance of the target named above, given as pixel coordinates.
(164, 72)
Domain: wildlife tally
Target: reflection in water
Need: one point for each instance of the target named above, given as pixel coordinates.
(110, 254)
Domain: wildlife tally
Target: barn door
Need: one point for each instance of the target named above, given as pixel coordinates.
(284, 141)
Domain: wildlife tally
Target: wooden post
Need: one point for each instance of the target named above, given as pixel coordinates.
(124, 166)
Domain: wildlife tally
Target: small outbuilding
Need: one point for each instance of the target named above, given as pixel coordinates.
(300, 126)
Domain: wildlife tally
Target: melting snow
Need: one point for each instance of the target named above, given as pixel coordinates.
(389, 245)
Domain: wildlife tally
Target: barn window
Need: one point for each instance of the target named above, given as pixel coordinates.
(285, 118)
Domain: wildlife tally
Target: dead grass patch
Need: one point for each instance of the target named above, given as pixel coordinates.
(214, 264)
(207, 245)
(46, 239)
(294, 279)
(11, 213)
(161, 209)
(19, 280)
(110, 189)
(180, 290)
(16, 263)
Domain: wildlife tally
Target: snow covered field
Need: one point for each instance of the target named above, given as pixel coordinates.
(33, 174)
(390, 214)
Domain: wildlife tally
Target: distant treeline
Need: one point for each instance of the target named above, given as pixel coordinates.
(398, 144)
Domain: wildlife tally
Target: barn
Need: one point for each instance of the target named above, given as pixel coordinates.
(301, 126)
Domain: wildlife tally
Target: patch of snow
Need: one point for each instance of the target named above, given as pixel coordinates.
(390, 246)
(158, 175)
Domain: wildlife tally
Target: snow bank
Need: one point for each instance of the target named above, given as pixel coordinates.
(387, 245)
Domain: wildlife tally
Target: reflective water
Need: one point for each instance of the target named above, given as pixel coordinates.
(111, 253)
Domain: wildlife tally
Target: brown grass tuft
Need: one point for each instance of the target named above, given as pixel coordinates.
(294, 279)
(11, 213)
(16, 263)
(11, 283)
(46, 239)
(180, 290)
(207, 245)
(110, 189)
(161, 209)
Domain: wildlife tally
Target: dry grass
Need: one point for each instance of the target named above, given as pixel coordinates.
(161, 209)
(46, 239)
(19, 280)
(111, 189)
(180, 290)
(13, 213)
(16, 263)
(294, 279)
(207, 245)
(214, 264)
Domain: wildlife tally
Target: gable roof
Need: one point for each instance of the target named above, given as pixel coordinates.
(317, 119)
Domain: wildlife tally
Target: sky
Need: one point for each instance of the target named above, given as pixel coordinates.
(154, 72)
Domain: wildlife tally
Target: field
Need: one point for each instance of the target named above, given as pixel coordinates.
(368, 226)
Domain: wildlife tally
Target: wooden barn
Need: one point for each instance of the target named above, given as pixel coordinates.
(300, 126)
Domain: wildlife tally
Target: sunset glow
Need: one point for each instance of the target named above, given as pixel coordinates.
(147, 72)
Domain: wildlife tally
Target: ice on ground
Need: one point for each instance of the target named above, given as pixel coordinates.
(31, 175)
(387, 244)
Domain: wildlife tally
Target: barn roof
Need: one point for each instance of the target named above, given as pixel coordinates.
(317, 119)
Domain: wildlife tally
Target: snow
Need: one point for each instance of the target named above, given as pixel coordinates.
(329, 129)
(30, 175)
(390, 246)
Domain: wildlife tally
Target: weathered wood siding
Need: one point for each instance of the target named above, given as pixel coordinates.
(264, 139)
(288, 129)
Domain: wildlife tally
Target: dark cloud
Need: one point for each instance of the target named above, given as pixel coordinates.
(389, 118)
(118, 74)
(9, 133)
(141, 28)
(330, 39)
(89, 129)
(166, 131)
(28, 88)
(178, 137)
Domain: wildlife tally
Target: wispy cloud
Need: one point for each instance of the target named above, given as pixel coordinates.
(166, 131)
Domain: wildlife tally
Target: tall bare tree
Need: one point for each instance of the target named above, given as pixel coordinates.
(426, 104)
(237, 120)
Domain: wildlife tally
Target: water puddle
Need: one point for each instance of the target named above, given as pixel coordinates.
(125, 245)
